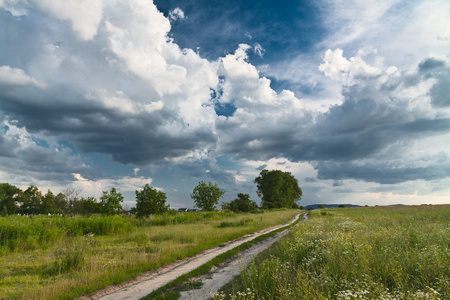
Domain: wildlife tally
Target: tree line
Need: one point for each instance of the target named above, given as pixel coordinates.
(276, 188)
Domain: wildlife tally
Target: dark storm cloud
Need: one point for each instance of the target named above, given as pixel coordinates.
(379, 120)
(374, 116)
(440, 71)
(91, 127)
(81, 81)
(362, 142)
(380, 172)
(207, 169)
(440, 92)
(6, 148)
(273, 142)
(430, 64)
(21, 157)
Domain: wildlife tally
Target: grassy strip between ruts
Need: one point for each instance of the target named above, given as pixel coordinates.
(172, 289)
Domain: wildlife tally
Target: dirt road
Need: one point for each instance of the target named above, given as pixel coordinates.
(147, 283)
(216, 279)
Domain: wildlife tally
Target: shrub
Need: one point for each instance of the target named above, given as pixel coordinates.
(241, 204)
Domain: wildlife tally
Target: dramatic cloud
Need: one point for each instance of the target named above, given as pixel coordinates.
(144, 101)
(437, 68)
(121, 93)
(264, 121)
(26, 158)
(382, 108)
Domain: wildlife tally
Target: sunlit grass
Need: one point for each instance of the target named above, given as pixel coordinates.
(69, 265)
(356, 253)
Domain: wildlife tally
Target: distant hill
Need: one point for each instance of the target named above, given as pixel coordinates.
(315, 206)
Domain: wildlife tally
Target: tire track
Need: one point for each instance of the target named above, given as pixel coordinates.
(145, 284)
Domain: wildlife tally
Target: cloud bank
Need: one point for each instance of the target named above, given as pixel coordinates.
(107, 78)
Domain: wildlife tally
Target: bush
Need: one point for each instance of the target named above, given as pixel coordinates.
(241, 204)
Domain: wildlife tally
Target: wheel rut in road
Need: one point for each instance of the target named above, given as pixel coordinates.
(216, 279)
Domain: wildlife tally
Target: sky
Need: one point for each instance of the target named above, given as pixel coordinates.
(351, 97)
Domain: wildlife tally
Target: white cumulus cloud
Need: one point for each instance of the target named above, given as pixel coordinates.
(338, 67)
(84, 15)
(176, 14)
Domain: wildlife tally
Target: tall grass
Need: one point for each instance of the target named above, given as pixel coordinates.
(173, 218)
(21, 233)
(85, 254)
(358, 253)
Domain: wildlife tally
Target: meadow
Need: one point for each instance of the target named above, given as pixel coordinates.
(399, 252)
(55, 257)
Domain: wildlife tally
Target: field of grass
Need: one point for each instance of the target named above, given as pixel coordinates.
(355, 253)
(52, 257)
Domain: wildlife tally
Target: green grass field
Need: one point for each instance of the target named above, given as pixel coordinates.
(52, 257)
(400, 252)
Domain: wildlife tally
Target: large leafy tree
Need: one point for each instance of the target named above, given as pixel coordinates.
(277, 189)
(150, 201)
(110, 202)
(207, 195)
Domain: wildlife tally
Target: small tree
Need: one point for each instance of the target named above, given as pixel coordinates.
(241, 204)
(61, 204)
(87, 206)
(71, 194)
(31, 200)
(150, 201)
(207, 195)
(48, 203)
(8, 196)
(110, 203)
